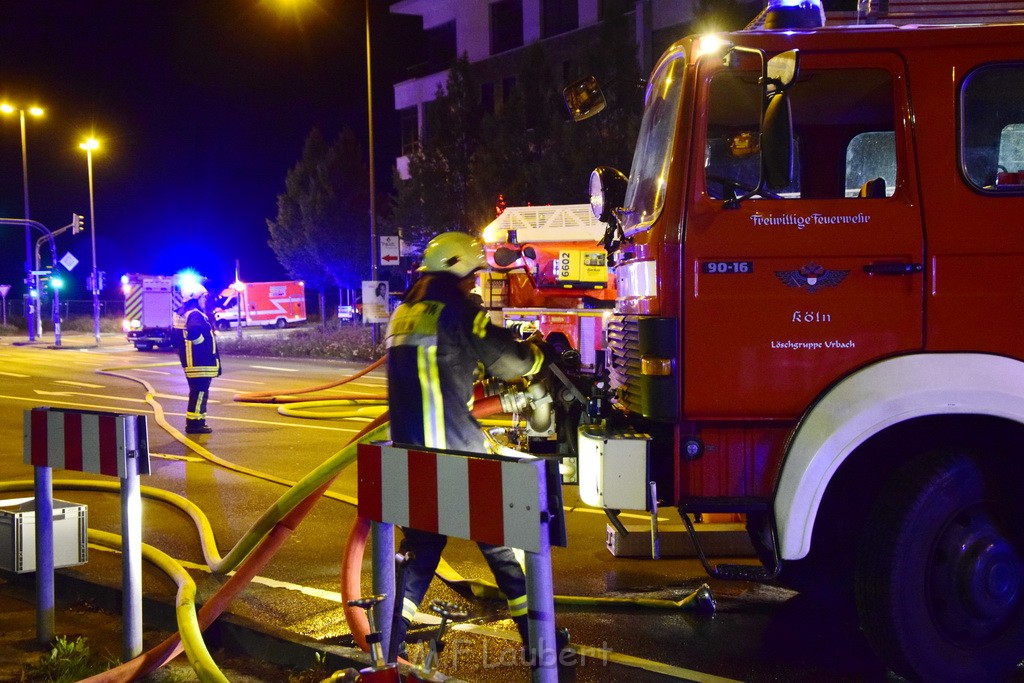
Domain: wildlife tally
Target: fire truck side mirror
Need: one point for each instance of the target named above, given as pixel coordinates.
(782, 69)
(781, 73)
(505, 257)
(584, 98)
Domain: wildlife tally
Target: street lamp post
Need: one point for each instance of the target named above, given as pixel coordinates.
(89, 145)
(30, 279)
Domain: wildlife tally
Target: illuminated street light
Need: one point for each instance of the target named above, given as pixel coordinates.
(30, 313)
(89, 145)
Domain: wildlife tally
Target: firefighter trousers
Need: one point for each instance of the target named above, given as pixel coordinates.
(198, 395)
(426, 550)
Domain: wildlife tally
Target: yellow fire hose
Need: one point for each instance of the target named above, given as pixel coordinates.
(191, 635)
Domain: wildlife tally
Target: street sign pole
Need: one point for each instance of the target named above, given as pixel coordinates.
(4, 289)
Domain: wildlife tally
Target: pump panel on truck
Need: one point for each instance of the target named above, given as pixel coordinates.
(820, 297)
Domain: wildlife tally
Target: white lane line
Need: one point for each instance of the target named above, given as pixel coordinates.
(79, 384)
(13, 374)
(271, 367)
(90, 406)
(152, 372)
(239, 381)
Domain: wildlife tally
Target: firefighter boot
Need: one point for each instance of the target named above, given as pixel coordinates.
(197, 427)
(561, 641)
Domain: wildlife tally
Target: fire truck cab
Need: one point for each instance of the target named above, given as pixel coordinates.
(820, 275)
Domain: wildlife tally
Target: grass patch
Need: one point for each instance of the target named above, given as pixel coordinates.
(339, 342)
(66, 662)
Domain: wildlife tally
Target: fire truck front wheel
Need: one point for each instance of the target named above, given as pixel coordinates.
(940, 584)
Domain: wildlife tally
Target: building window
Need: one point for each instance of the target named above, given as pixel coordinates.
(506, 25)
(508, 83)
(558, 16)
(441, 48)
(410, 127)
(487, 97)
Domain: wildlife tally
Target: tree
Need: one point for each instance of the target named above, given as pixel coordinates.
(435, 199)
(322, 226)
(529, 151)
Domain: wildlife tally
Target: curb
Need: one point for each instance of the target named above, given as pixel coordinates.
(235, 634)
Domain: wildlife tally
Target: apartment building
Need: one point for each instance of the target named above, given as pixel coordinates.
(494, 33)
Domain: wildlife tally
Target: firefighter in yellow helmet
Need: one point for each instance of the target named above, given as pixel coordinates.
(436, 340)
(197, 351)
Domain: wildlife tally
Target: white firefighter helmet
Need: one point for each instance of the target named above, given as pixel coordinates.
(193, 290)
(453, 252)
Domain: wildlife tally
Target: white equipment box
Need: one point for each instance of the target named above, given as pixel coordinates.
(614, 469)
(18, 534)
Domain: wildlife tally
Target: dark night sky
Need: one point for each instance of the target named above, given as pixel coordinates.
(201, 106)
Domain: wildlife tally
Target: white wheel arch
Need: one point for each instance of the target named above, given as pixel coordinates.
(876, 397)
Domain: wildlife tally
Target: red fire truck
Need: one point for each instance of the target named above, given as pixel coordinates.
(820, 272)
(550, 274)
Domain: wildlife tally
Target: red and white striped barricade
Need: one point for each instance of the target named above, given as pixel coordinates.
(112, 444)
(495, 499)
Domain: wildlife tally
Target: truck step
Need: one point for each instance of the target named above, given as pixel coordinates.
(717, 540)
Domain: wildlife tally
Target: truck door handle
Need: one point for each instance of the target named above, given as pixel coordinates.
(893, 268)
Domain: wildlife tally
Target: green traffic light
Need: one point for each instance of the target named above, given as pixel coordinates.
(56, 282)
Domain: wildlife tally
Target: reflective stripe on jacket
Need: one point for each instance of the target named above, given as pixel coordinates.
(436, 340)
(198, 349)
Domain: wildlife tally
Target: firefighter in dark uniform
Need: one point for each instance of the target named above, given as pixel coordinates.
(436, 340)
(197, 350)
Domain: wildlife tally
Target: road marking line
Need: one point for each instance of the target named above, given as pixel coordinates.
(79, 384)
(239, 381)
(270, 367)
(13, 374)
(91, 406)
(152, 372)
(168, 456)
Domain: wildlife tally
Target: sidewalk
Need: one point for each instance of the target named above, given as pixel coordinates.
(245, 652)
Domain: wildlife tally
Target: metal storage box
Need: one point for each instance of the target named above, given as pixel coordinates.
(18, 534)
(613, 469)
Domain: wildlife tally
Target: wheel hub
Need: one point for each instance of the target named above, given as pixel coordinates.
(981, 574)
(992, 578)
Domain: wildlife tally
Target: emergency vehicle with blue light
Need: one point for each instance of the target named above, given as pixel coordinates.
(270, 304)
(819, 262)
(149, 305)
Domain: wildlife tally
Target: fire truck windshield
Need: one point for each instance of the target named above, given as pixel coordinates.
(645, 194)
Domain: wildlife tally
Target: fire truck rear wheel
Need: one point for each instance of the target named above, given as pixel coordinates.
(940, 584)
(280, 324)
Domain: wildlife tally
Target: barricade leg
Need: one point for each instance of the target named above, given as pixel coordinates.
(540, 603)
(131, 561)
(45, 605)
(384, 580)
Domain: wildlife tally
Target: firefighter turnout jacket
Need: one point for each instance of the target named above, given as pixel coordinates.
(436, 340)
(197, 349)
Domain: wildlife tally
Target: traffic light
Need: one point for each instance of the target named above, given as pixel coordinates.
(102, 278)
(56, 281)
(77, 223)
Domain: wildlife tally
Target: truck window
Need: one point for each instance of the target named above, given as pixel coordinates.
(992, 128)
(870, 156)
(836, 113)
(645, 193)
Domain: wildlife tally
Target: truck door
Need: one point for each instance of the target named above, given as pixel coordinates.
(796, 287)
